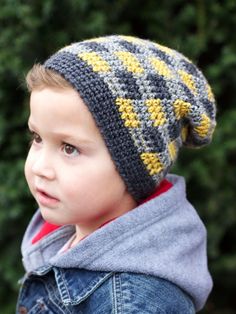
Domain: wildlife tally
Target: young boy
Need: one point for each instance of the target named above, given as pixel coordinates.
(114, 233)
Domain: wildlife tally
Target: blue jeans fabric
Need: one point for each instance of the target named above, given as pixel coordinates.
(68, 291)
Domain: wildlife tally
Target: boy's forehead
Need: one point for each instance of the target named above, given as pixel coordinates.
(62, 110)
(65, 104)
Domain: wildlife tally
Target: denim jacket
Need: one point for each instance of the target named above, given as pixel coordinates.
(70, 291)
(150, 260)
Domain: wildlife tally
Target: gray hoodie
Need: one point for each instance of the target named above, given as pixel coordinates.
(163, 237)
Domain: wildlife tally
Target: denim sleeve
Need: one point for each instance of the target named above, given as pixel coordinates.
(135, 293)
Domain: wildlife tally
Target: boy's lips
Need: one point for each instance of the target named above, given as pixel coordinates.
(45, 199)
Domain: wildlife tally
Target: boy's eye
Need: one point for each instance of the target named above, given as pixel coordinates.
(35, 137)
(70, 150)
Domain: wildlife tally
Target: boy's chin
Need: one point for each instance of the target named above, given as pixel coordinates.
(49, 217)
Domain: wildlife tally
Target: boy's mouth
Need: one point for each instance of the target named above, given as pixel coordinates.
(45, 198)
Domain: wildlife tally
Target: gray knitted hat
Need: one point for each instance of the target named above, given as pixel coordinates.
(146, 99)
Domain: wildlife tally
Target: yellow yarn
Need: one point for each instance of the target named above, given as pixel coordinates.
(127, 112)
(156, 111)
(152, 163)
(204, 127)
(96, 61)
(209, 93)
(165, 49)
(181, 108)
(188, 80)
(184, 133)
(133, 40)
(161, 67)
(130, 61)
(172, 150)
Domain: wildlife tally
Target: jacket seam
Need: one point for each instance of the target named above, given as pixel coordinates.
(117, 294)
(53, 300)
(62, 287)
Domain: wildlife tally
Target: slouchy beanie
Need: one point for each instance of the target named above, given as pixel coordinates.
(147, 100)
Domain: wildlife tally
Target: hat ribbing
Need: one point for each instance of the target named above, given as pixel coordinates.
(146, 99)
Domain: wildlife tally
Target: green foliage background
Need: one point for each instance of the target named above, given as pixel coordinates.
(203, 30)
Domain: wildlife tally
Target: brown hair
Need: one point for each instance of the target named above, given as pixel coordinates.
(39, 77)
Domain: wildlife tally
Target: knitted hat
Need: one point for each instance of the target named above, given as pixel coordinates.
(146, 99)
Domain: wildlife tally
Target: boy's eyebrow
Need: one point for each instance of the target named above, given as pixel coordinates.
(66, 136)
(73, 138)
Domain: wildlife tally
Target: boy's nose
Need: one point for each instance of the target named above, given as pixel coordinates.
(43, 167)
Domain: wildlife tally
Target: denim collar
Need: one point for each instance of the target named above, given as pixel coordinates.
(75, 285)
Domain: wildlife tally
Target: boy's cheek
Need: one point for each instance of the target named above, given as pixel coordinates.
(27, 170)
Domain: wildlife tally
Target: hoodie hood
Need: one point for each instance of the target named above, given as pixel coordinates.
(163, 237)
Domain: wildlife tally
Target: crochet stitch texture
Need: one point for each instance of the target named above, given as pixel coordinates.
(147, 100)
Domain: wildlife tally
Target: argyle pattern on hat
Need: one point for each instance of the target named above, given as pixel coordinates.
(147, 100)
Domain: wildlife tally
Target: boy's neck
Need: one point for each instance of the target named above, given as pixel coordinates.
(84, 229)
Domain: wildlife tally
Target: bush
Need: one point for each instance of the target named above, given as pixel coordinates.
(204, 31)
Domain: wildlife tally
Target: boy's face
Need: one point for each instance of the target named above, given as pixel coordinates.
(69, 169)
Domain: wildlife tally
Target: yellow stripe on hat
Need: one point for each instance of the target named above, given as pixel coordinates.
(133, 40)
(181, 108)
(127, 112)
(184, 133)
(96, 61)
(152, 163)
(96, 39)
(204, 127)
(165, 49)
(130, 61)
(156, 112)
(161, 67)
(172, 150)
(188, 80)
(209, 93)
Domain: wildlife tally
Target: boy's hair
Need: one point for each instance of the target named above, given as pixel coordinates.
(39, 77)
(146, 99)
